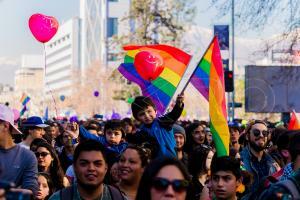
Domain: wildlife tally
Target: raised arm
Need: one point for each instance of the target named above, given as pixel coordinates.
(170, 118)
(87, 135)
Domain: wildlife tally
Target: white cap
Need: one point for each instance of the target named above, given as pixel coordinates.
(6, 114)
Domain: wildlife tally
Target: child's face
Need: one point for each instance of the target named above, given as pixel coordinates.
(113, 137)
(147, 115)
(224, 184)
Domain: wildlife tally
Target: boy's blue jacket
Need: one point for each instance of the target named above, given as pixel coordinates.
(161, 129)
(117, 149)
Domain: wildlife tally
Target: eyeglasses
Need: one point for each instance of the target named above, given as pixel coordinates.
(43, 154)
(162, 184)
(257, 132)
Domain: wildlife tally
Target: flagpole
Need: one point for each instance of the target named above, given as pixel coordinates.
(196, 66)
(190, 62)
(178, 84)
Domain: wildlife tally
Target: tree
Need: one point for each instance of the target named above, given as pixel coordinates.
(257, 15)
(153, 22)
(126, 90)
(82, 99)
(157, 21)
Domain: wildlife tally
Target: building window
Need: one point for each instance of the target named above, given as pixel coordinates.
(112, 26)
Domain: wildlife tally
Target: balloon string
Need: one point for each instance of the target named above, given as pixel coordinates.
(53, 99)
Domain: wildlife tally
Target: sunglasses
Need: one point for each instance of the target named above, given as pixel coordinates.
(43, 154)
(162, 184)
(257, 132)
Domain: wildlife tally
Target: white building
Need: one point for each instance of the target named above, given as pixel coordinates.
(63, 57)
(101, 19)
(82, 41)
(30, 77)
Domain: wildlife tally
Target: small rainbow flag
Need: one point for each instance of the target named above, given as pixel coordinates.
(208, 79)
(25, 99)
(162, 89)
(23, 111)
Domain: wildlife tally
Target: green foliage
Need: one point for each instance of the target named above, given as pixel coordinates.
(127, 90)
(155, 21)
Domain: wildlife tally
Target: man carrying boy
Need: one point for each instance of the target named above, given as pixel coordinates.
(226, 177)
(160, 128)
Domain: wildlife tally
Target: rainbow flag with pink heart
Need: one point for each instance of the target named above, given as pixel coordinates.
(208, 79)
(157, 69)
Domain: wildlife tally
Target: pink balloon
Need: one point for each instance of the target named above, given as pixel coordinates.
(16, 114)
(43, 27)
(149, 65)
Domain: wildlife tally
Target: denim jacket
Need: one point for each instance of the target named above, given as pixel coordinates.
(259, 169)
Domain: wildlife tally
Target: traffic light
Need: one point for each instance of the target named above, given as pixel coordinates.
(229, 83)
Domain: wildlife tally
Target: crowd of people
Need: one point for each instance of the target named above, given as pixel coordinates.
(145, 157)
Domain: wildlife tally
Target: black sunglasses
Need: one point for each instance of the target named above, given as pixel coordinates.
(43, 154)
(177, 185)
(257, 132)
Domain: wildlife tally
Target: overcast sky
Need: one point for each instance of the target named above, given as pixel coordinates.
(16, 38)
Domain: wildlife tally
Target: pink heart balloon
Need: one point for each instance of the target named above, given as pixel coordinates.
(43, 27)
(149, 65)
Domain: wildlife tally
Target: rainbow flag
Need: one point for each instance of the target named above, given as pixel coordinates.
(162, 89)
(208, 79)
(294, 123)
(23, 111)
(25, 99)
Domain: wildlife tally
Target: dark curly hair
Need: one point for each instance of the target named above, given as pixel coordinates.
(140, 103)
(114, 124)
(144, 153)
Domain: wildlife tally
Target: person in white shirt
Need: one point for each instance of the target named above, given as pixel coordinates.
(33, 128)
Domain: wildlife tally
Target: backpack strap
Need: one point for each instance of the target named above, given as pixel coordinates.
(115, 193)
(290, 186)
(66, 193)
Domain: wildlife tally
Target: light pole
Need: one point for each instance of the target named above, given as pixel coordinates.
(232, 55)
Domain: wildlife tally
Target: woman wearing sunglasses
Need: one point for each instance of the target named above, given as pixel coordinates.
(164, 178)
(48, 162)
(131, 167)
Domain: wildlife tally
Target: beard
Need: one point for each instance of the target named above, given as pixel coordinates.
(255, 147)
(87, 186)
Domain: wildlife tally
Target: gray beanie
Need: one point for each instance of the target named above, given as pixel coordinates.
(179, 130)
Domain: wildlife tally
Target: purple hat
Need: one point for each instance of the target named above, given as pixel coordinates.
(74, 119)
(6, 114)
